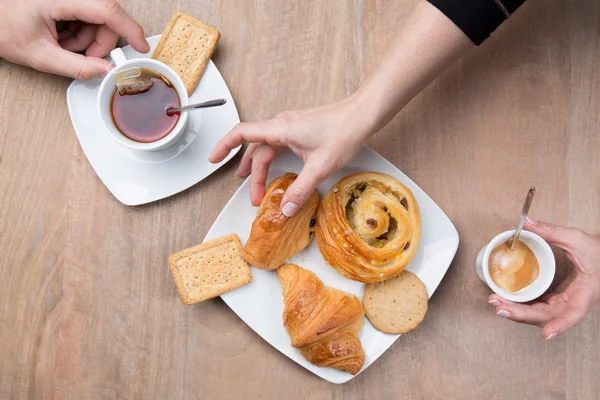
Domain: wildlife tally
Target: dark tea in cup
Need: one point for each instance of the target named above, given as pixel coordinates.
(139, 105)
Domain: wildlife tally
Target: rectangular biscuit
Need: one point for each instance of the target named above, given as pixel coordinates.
(209, 269)
(186, 45)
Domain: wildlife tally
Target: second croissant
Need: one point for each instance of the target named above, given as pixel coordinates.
(323, 322)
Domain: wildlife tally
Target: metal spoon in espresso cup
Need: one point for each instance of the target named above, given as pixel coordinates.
(524, 212)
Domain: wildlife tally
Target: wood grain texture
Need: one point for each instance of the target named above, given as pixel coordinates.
(88, 309)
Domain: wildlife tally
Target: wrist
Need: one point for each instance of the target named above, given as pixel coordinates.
(361, 115)
(374, 103)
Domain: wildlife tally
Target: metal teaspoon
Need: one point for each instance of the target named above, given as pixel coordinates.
(206, 104)
(524, 212)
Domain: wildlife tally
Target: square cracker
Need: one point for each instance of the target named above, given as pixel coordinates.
(209, 269)
(186, 45)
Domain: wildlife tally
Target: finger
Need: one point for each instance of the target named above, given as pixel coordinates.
(60, 26)
(495, 300)
(106, 12)
(299, 191)
(246, 163)
(74, 26)
(104, 41)
(572, 316)
(56, 60)
(80, 39)
(251, 132)
(577, 308)
(64, 29)
(554, 234)
(64, 34)
(536, 314)
(261, 160)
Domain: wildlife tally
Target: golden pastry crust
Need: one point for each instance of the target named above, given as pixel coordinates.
(275, 237)
(368, 227)
(323, 322)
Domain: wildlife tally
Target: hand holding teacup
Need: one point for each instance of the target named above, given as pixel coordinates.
(575, 297)
(47, 35)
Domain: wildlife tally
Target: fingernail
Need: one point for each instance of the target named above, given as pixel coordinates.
(503, 313)
(495, 303)
(109, 68)
(550, 336)
(289, 209)
(532, 221)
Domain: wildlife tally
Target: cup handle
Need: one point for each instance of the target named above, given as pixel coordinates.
(118, 57)
(479, 266)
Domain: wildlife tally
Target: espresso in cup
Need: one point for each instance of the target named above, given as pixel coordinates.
(514, 269)
(139, 105)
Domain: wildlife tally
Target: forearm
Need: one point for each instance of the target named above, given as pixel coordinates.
(426, 45)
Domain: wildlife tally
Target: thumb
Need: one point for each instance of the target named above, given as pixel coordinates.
(553, 234)
(56, 60)
(301, 189)
(572, 316)
(581, 302)
(106, 12)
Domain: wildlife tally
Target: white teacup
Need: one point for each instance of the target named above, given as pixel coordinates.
(108, 86)
(542, 252)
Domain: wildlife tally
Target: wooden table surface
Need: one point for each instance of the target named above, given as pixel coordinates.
(88, 308)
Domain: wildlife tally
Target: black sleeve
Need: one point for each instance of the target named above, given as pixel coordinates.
(477, 18)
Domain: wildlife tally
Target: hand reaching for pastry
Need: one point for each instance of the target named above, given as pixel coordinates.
(575, 297)
(326, 138)
(48, 35)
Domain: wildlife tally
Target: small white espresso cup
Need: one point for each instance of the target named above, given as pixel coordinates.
(542, 252)
(108, 86)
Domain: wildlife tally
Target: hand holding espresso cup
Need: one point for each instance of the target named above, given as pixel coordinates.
(574, 298)
(49, 35)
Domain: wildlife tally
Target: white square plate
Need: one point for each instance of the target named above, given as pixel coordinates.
(139, 177)
(260, 303)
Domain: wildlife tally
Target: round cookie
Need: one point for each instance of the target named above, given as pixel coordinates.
(396, 305)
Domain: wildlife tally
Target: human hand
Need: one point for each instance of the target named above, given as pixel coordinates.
(48, 34)
(326, 138)
(575, 297)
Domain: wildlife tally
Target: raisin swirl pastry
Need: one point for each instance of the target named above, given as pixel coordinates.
(368, 227)
(275, 237)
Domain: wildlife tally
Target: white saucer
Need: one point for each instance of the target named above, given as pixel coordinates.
(136, 177)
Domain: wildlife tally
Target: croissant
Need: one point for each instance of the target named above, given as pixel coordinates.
(323, 322)
(368, 227)
(275, 237)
